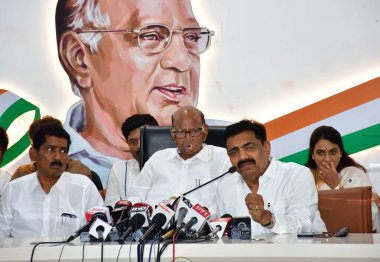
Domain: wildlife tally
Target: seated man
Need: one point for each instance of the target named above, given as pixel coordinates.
(279, 197)
(123, 174)
(4, 176)
(173, 171)
(36, 205)
(73, 166)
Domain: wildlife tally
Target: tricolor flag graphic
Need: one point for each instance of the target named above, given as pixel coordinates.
(11, 107)
(355, 113)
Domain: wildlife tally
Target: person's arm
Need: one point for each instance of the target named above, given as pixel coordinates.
(300, 205)
(6, 217)
(113, 193)
(354, 177)
(143, 183)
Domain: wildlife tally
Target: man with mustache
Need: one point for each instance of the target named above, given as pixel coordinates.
(49, 202)
(279, 197)
(173, 171)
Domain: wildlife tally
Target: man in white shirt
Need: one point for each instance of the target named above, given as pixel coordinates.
(49, 202)
(279, 197)
(123, 174)
(173, 171)
(5, 176)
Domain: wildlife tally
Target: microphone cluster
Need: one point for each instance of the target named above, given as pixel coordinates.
(139, 222)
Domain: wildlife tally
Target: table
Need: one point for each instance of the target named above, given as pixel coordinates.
(354, 247)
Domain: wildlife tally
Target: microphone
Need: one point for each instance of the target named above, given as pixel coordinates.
(183, 207)
(192, 221)
(167, 235)
(100, 229)
(121, 211)
(199, 212)
(91, 215)
(160, 219)
(219, 225)
(230, 170)
(97, 209)
(181, 216)
(139, 217)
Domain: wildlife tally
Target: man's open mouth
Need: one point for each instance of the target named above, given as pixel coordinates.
(171, 92)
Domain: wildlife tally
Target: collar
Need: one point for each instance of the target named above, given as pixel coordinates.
(74, 123)
(271, 171)
(60, 185)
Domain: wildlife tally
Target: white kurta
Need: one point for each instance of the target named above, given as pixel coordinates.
(288, 191)
(166, 175)
(121, 180)
(27, 211)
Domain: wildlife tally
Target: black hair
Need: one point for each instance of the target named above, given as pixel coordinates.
(136, 121)
(46, 120)
(246, 125)
(331, 134)
(49, 130)
(4, 141)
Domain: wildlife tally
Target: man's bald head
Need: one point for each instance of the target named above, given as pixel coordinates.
(185, 112)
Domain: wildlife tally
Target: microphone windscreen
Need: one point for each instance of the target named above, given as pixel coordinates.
(232, 169)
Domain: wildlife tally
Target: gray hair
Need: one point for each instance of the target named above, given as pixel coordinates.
(81, 14)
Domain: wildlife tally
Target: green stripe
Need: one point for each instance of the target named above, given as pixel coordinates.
(18, 108)
(355, 142)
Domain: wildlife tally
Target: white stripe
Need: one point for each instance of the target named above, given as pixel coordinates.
(6, 100)
(347, 122)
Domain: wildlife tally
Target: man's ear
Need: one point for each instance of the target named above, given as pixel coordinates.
(205, 132)
(73, 54)
(267, 147)
(172, 134)
(33, 154)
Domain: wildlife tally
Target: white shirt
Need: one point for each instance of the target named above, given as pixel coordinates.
(167, 175)
(82, 150)
(121, 179)
(5, 177)
(27, 211)
(355, 177)
(288, 191)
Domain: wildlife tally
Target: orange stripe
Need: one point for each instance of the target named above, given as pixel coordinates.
(323, 109)
(3, 91)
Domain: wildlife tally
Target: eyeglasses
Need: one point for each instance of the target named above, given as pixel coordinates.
(192, 132)
(153, 39)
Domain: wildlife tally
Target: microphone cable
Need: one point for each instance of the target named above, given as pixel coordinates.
(84, 243)
(118, 253)
(60, 255)
(151, 248)
(41, 243)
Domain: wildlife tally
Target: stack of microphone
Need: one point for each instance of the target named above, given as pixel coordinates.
(139, 222)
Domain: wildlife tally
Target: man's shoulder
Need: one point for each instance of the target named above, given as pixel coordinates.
(78, 179)
(24, 170)
(230, 180)
(163, 154)
(292, 167)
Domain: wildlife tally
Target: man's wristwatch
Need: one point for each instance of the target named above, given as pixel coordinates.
(340, 186)
(271, 222)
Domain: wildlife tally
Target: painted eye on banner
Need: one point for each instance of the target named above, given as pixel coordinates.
(16, 115)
